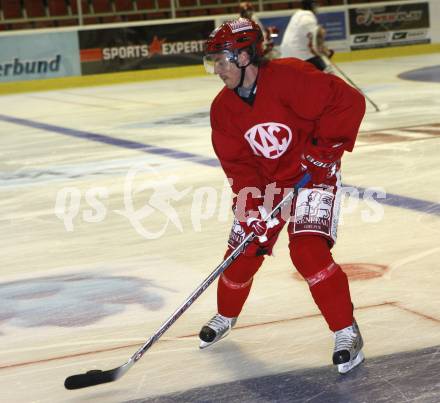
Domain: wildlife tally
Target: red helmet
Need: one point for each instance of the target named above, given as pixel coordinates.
(235, 35)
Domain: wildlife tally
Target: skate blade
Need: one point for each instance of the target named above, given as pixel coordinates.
(205, 344)
(348, 366)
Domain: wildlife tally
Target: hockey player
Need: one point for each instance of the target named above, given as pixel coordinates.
(272, 122)
(304, 37)
(246, 10)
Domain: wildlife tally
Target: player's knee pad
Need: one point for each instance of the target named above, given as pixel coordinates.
(243, 269)
(324, 274)
(312, 258)
(234, 285)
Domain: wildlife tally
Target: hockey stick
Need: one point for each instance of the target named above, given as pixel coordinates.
(328, 62)
(97, 377)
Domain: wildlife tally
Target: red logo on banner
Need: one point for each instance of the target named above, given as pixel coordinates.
(90, 55)
(155, 47)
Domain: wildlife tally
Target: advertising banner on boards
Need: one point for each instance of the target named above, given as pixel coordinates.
(392, 25)
(335, 30)
(333, 22)
(32, 57)
(143, 47)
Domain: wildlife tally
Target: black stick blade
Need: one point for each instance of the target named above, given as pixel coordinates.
(90, 378)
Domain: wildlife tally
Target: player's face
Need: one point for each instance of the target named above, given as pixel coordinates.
(222, 65)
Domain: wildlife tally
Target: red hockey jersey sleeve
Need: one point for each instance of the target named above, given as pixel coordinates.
(336, 107)
(234, 155)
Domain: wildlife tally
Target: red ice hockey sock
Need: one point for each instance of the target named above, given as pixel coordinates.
(328, 283)
(332, 296)
(235, 284)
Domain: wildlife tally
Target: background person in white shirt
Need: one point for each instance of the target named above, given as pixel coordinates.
(304, 37)
(246, 10)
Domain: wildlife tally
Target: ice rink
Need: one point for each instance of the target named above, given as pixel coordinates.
(114, 209)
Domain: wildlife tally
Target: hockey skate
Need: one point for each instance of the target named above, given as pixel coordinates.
(348, 348)
(217, 328)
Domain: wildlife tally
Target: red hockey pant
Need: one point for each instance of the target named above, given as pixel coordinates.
(312, 258)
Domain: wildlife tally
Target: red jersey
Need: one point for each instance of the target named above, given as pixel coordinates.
(262, 143)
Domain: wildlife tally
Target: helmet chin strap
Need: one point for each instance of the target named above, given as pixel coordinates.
(243, 73)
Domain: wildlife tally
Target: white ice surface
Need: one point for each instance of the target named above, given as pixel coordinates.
(87, 298)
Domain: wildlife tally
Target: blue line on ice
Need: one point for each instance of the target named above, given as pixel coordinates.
(394, 200)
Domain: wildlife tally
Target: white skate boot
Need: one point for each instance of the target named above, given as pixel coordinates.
(348, 345)
(217, 328)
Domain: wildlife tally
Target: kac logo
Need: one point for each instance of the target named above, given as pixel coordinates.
(270, 140)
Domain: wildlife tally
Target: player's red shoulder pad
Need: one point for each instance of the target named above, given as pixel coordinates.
(291, 64)
(290, 69)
